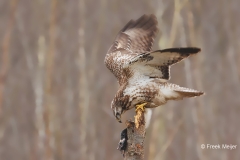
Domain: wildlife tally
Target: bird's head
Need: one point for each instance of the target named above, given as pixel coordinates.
(117, 111)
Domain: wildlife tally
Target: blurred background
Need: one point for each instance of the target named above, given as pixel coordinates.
(55, 91)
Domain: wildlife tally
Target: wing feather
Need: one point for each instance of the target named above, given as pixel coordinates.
(134, 38)
(157, 63)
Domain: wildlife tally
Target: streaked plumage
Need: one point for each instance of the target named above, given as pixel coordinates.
(142, 73)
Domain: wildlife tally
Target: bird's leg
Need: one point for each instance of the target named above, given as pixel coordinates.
(141, 106)
(139, 118)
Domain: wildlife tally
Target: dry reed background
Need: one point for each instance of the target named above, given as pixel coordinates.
(55, 91)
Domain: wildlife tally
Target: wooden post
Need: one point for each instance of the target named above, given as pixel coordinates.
(136, 135)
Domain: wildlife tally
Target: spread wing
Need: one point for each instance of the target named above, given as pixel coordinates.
(136, 37)
(157, 64)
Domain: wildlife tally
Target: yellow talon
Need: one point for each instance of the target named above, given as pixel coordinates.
(141, 106)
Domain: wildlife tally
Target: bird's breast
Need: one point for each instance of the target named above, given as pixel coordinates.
(139, 92)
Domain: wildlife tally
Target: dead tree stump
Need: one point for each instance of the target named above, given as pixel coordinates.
(136, 135)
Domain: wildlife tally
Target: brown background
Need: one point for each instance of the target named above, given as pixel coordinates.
(55, 91)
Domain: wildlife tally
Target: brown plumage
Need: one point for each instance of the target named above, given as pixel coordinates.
(141, 72)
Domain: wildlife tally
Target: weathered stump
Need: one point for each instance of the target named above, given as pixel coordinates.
(136, 135)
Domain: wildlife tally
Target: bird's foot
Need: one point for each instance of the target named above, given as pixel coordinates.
(141, 106)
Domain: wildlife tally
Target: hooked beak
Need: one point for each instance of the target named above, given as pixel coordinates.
(118, 117)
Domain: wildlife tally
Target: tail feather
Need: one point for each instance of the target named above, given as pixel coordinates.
(175, 92)
(190, 93)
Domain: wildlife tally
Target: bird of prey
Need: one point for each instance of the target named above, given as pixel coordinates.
(143, 74)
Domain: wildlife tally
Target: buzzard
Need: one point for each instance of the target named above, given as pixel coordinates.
(142, 73)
